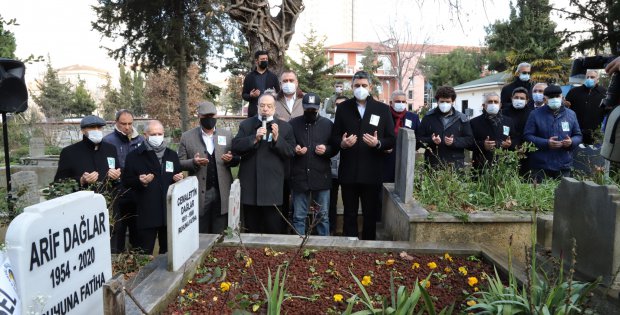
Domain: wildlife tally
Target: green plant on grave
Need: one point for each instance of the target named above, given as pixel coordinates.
(542, 294)
(498, 187)
(401, 301)
(275, 291)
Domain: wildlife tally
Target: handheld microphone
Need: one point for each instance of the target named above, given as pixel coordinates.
(264, 119)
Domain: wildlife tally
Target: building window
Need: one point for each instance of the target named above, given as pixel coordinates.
(386, 63)
(341, 59)
(358, 61)
(464, 105)
(410, 94)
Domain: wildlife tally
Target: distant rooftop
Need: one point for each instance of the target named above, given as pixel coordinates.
(78, 68)
(494, 79)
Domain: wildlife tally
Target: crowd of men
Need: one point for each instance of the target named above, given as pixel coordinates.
(288, 147)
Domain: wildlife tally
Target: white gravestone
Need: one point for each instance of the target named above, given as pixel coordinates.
(182, 221)
(60, 252)
(37, 147)
(234, 205)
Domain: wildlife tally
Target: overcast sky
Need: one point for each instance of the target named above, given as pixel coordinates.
(62, 29)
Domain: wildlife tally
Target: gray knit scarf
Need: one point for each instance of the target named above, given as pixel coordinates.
(159, 151)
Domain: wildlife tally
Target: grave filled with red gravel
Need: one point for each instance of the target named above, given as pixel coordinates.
(321, 281)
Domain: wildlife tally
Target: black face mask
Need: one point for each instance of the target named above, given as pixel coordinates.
(263, 64)
(310, 116)
(208, 122)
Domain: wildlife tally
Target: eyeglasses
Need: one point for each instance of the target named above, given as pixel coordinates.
(525, 72)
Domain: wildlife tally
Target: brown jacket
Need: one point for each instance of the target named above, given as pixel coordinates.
(282, 111)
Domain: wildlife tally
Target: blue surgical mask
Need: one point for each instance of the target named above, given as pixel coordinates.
(524, 77)
(589, 83)
(538, 97)
(554, 103)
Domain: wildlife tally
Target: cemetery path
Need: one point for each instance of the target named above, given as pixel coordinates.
(226, 279)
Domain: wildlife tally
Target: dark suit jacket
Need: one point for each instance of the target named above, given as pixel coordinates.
(263, 164)
(150, 200)
(361, 164)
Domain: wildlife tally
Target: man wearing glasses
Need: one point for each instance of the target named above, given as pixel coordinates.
(522, 79)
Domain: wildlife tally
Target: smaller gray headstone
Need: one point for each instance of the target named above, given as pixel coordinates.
(234, 205)
(24, 186)
(37, 147)
(405, 164)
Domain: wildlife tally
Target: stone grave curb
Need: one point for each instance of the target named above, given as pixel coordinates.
(157, 289)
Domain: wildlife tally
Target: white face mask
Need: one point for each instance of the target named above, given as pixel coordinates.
(518, 104)
(493, 109)
(554, 103)
(95, 136)
(538, 97)
(156, 141)
(360, 93)
(338, 90)
(400, 107)
(289, 88)
(445, 107)
(524, 77)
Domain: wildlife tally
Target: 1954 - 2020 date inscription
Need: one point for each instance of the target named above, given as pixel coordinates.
(62, 272)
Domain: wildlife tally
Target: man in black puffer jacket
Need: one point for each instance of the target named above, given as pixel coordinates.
(445, 133)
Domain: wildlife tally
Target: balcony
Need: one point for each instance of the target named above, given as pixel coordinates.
(350, 70)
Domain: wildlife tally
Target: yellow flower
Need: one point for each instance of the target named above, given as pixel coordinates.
(447, 269)
(215, 299)
(338, 297)
(447, 257)
(331, 263)
(471, 303)
(463, 270)
(472, 281)
(425, 283)
(366, 280)
(182, 291)
(248, 262)
(190, 295)
(225, 286)
(415, 266)
(389, 262)
(476, 289)
(432, 265)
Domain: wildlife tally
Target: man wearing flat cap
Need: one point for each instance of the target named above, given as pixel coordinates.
(555, 132)
(311, 167)
(90, 161)
(205, 152)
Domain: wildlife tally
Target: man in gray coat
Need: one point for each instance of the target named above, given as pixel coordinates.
(205, 152)
(265, 144)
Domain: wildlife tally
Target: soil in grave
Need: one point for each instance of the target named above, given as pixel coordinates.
(313, 279)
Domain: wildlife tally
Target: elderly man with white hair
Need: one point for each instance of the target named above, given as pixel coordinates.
(492, 131)
(522, 78)
(265, 144)
(584, 101)
(402, 118)
(149, 170)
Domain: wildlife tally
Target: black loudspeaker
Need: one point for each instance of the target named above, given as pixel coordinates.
(13, 91)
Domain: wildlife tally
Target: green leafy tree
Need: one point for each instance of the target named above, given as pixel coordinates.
(231, 97)
(162, 34)
(110, 102)
(7, 39)
(370, 64)
(83, 103)
(125, 92)
(314, 72)
(602, 33)
(137, 95)
(242, 60)
(529, 35)
(459, 66)
(54, 96)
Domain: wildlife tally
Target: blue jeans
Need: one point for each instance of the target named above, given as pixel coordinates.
(301, 203)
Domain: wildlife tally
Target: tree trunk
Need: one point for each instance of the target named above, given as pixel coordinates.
(180, 64)
(265, 32)
(182, 80)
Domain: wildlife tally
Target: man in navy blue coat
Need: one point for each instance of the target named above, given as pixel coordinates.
(555, 132)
